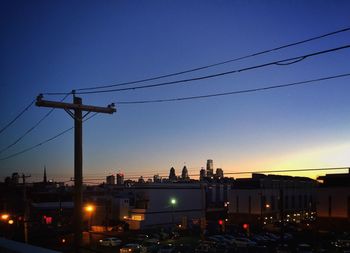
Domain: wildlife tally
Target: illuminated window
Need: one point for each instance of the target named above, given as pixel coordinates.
(136, 217)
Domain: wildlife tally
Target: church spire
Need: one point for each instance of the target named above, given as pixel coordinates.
(45, 179)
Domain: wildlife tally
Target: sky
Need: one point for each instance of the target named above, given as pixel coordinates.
(57, 46)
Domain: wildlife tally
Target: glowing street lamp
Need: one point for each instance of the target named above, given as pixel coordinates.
(10, 222)
(267, 205)
(89, 208)
(5, 216)
(173, 201)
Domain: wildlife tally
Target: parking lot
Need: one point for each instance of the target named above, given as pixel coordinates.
(161, 242)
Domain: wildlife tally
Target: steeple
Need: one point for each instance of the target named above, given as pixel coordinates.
(45, 179)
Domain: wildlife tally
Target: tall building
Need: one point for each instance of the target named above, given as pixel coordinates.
(184, 174)
(120, 179)
(219, 173)
(172, 175)
(110, 179)
(202, 174)
(210, 168)
(157, 179)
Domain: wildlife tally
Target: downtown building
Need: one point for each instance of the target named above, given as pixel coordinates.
(333, 202)
(267, 199)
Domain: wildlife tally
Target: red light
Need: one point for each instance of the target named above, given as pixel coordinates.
(245, 226)
(221, 222)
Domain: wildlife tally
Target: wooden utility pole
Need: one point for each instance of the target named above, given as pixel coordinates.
(77, 107)
(26, 211)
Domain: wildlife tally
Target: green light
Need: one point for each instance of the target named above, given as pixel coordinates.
(173, 201)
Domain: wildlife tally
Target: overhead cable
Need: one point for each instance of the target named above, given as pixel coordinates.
(279, 62)
(43, 142)
(17, 117)
(312, 81)
(31, 128)
(218, 63)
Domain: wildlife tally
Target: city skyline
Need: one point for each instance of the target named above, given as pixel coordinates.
(291, 128)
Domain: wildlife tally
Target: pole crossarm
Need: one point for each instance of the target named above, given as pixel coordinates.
(68, 106)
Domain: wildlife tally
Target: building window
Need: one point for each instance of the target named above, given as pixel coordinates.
(237, 204)
(249, 204)
(273, 203)
(330, 206)
(263, 203)
(136, 217)
(349, 207)
(286, 202)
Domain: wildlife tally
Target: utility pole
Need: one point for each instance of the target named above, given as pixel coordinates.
(26, 211)
(75, 110)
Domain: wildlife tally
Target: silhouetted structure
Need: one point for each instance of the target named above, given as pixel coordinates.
(210, 168)
(202, 174)
(120, 179)
(184, 174)
(172, 175)
(219, 173)
(45, 178)
(110, 180)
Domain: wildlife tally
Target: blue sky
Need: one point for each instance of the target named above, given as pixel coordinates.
(50, 46)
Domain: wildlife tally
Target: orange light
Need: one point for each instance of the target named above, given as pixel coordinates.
(267, 205)
(5, 216)
(89, 208)
(11, 222)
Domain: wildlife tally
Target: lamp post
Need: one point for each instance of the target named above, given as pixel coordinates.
(172, 203)
(89, 209)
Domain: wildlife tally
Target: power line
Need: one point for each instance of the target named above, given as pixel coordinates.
(43, 142)
(279, 62)
(17, 117)
(218, 63)
(187, 98)
(233, 92)
(31, 128)
(237, 173)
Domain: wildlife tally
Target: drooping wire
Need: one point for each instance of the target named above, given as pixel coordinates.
(312, 81)
(182, 81)
(218, 63)
(45, 141)
(31, 128)
(17, 117)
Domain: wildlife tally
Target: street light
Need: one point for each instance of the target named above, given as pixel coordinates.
(5, 216)
(90, 209)
(173, 201)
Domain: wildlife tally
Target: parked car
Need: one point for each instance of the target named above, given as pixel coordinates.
(166, 249)
(151, 245)
(132, 248)
(206, 247)
(110, 241)
(243, 242)
(304, 248)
